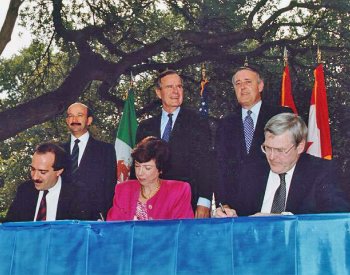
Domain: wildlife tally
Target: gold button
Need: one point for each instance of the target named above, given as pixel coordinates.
(150, 207)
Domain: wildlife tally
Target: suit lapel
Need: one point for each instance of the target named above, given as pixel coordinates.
(88, 153)
(298, 187)
(156, 126)
(259, 128)
(240, 130)
(177, 126)
(261, 183)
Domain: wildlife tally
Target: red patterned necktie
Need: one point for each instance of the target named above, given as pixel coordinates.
(41, 216)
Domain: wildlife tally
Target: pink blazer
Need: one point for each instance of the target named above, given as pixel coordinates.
(172, 201)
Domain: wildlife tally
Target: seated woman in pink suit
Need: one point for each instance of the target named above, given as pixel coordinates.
(149, 197)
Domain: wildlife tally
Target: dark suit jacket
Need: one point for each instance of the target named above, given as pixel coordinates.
(189, 146)
(24, 204)
(231, 149)
(314, 188)
(95, 178)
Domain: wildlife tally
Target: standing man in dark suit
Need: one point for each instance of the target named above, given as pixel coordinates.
(47, 196)
(189, 139)
(93, 163)
(240, 134)
(290, 180)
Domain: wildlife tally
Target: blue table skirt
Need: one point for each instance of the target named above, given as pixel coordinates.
(304, 244)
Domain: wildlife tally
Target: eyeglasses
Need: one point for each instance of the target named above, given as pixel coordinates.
(277, 151)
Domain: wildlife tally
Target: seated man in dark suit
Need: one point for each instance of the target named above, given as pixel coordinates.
(47, 196)
(290, 180)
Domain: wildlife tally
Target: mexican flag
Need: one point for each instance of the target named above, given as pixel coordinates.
(126, 136)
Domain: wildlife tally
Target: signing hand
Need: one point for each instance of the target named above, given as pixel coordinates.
(229, 212)
(202, 212)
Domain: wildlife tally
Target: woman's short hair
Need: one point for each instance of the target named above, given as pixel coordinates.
(152, 148)
(283, 122)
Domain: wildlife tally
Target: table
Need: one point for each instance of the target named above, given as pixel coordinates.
(300, 244)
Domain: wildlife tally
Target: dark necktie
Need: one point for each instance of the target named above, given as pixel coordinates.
(41, 216)
(279, 201)
(248, 130)
(75, 156)
(168, 126)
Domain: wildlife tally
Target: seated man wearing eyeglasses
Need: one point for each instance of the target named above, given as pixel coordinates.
(290, 181)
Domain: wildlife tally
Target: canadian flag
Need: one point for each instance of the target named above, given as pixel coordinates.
(319, 137)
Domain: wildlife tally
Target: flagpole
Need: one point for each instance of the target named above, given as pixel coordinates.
(319, 58)
(246, 64)
(285, 56)
(204, 77)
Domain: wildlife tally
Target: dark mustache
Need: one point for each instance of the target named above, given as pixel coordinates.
(75, 123)
(38, 181)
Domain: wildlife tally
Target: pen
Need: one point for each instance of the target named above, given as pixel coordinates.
(102, 217)
(222, 208)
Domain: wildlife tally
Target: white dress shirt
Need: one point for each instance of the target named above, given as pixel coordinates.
(82, 144)
(255, 112)
(273, 183)
(51, 201)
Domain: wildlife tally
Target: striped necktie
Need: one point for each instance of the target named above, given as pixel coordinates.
(279, 201)
(41, 216)
(75, 156)
(168, 127)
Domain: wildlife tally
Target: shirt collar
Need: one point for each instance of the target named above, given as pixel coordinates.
(255, 109)
(289, 173)
(175, 114)
(57, 185)
(84, 138)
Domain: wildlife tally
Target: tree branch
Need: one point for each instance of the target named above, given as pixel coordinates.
(9, 23)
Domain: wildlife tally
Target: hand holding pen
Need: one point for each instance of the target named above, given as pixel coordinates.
(224, 212)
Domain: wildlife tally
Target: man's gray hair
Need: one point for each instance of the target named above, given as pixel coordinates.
(293, 123)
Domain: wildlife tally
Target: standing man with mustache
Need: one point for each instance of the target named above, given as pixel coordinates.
(188, 136)
(47, 196)
(240, 135)
(93, 162)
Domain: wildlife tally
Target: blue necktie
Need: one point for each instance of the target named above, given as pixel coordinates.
(167, 130)
(248, 130)
(279, 200)
(75, 156)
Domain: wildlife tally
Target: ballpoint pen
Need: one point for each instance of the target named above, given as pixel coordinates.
(222, 208)
(102, 217)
